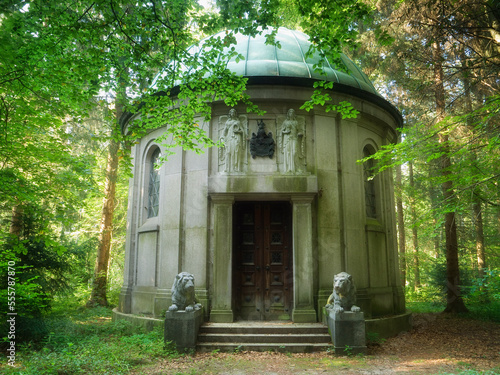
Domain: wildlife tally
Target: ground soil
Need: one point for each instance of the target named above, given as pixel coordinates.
(437, 344)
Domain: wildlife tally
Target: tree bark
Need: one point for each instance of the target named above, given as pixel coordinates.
(401, 225)
(414, 230)
(433, 197)
(454, 301)
(478, 225)
(476, 206)
(17, 221)
(99, 287)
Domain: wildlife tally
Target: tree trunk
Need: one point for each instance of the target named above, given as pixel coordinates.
(493, 15)
(476, 206)
(478, 225)
(414, 231)
(433, 197)
(16, 224)
(454, 301)
(401, 225)
(99, 287)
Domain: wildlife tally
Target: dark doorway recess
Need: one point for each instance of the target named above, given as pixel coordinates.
(262, 268)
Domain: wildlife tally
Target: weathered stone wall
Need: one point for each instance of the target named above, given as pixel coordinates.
(193, 231)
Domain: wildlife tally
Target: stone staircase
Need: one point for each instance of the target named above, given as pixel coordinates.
(264, 336)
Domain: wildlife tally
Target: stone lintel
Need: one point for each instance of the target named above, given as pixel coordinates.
(265, 184)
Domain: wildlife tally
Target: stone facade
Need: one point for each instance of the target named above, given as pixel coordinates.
(265, 222)
(324, 185)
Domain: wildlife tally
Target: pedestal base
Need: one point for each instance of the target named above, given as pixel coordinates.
(221, 316)
(304, 316)
(182, 328)
(347, 330)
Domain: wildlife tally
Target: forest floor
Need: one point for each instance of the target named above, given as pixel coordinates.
(437, 344)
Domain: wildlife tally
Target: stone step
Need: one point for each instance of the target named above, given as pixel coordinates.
(264, 328)
(263, 336)
(262, 347)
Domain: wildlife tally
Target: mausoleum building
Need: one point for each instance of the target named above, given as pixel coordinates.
(267, 220)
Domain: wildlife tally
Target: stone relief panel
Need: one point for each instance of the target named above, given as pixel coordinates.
(276, 145)
(292, 143)
(262, 146)
(262, 143)
(233, 133)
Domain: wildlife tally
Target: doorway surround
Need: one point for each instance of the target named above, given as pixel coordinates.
(264, 189)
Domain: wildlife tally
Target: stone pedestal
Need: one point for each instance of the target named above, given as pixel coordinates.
(182, 328)
(347, 330)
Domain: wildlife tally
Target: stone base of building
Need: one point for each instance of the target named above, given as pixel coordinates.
(148, 323)
(389, 326)
(304, 316)
(386, 327)
(221, 316)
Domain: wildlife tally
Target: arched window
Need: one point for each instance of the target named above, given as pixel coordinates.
(154, 185)
(370, 191)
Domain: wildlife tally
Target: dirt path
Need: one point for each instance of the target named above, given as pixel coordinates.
(437, 344)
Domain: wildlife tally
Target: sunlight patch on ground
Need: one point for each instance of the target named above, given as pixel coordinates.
(99, 321)
(429, 366)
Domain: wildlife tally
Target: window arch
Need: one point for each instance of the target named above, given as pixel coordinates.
(369, 183)
(154, 185)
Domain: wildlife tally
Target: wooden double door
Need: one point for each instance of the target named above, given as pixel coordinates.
(262, 261)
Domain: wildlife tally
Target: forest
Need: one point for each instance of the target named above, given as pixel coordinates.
(69, 70)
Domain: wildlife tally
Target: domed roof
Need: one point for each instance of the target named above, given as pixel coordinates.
(289, 61)
(286, 64)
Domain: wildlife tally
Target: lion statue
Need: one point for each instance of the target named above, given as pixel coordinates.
(183, 297)
(343, 297)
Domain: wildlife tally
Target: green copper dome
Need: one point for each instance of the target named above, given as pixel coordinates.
(289, 61)
(286, 64)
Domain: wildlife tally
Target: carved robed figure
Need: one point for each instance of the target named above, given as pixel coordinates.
(233, 139)
(292, 138)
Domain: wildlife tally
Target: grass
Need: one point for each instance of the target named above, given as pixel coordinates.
(480, 311)
(88, 342)
(425, 307)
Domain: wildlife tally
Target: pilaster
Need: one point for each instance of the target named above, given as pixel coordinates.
(303, 260)
(223, 258)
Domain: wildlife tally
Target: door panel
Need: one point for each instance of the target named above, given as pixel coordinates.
(262, 272)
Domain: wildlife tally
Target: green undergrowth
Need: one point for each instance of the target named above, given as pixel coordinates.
(425, 307)
(482, 299)
(480, 294)
(88, 342)
(488, 311)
